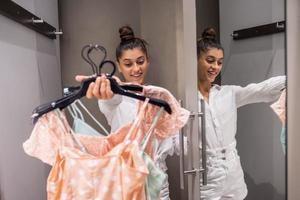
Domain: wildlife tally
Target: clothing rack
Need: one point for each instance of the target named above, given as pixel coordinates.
(261, 30)
(19, 14)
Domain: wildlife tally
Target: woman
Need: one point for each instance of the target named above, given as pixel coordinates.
(133, 63)
(225, 174)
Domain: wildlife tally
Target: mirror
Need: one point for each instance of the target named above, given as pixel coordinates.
(252, 60)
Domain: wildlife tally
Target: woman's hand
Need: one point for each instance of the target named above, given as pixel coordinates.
(99, 89)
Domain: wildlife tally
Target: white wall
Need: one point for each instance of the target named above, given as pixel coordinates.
(254, 60)
(30, 75)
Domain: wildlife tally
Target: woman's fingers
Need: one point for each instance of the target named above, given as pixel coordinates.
(109, 93)
(89, 93)
(81, 78)
(103, 88)
(96, 89)
(100, 88)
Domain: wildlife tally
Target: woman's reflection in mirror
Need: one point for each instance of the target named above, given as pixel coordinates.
(225, 174)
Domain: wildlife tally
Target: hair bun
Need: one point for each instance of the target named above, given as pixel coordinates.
(209, 33)
(126, 33)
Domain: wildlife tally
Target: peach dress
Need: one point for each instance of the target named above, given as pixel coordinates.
(95, 167)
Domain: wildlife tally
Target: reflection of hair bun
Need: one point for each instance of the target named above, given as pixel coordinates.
(126, 33)
(209, 33)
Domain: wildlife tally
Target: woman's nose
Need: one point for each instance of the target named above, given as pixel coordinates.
(215, 65)
(136, 67)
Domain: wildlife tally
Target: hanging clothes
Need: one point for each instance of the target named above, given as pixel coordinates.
(155, 180)
(156, 177)
(79, 167)
(121, 110)
(116, 172)
(225, 178)
(279, 107)
(79, 124)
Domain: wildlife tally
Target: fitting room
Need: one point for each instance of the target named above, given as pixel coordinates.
(42, 50)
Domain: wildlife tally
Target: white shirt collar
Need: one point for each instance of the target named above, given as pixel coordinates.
(214, 87)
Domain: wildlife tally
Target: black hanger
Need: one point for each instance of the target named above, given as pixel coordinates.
(62, 102)
(81, 92)
(82, 89)
(117, 89)
(85, 54)
(102, 50)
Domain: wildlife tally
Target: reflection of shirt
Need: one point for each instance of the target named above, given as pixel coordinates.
(221, 110)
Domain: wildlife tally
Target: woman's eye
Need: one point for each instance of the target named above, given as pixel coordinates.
(210, 61)
(128, 64)
(140, 62)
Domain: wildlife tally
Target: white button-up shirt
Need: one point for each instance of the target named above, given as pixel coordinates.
(221, 108)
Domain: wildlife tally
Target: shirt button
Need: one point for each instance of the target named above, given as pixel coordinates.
(223, 151)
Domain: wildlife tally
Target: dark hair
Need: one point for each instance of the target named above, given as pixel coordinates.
(208, 41)
(129, 41)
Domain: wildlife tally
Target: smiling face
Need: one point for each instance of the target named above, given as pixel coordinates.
(210, 65)
(133, 64)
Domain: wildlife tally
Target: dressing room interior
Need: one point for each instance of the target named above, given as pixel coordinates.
(139, 99)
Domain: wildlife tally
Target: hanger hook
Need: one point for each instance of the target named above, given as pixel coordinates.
(100, 49)
(93, 64)
(86, 58)
(108, 62)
